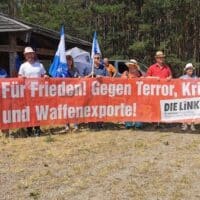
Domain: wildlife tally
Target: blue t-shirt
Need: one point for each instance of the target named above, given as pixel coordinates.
(100, 71)
(83, 70)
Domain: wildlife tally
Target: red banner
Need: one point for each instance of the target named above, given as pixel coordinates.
(31, 102)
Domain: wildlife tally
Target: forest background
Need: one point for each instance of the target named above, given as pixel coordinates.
(126, 28)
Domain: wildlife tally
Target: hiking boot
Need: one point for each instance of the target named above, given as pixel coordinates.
(138, 125)
(29, 131)
(37, 132)
(192, 127)
(184, 127)
(76, 129)
(67, 127)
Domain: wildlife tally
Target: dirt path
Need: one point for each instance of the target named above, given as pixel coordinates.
(107, 165)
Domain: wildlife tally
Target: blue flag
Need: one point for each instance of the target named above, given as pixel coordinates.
(59, 66)
(3, 73)
(95, 46)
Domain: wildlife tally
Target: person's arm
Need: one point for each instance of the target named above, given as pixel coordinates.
(149, 74)
(21, 73)
(125, 74)
(43, 71)
(169, 78)
(114, 71)
(88, 72)
(170, 74)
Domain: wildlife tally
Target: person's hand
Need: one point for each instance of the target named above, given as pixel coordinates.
(158, 78)
(169, 78)
(98, 76)
(46, 76)
(22, 77)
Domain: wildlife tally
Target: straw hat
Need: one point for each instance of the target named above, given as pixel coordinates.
(132, 63)
(159, 54)
(28, 50)
(189, 66)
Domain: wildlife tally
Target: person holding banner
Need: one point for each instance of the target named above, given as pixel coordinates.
(4, 74)
(188, 74)
(32, 68)
(72, 73)
(112, 72)
(98, 70)
(133, 72)
(159, 70)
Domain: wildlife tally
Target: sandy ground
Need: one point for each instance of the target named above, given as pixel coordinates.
(105, 165)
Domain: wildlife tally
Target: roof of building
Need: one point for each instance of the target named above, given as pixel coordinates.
(11, 25)
(8, 24)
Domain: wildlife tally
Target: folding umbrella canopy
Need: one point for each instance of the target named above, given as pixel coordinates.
(81, 60)
(79, 55)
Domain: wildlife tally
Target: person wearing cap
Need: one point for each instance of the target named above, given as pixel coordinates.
(31, 68)
(188, 74)
(132, 72)
(112, 72)
(159, 70)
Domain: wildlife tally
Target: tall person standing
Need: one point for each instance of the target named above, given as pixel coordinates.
(32, 68)
(159, 70)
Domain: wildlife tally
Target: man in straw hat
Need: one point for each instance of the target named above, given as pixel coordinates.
(32, 68)
(159, 70)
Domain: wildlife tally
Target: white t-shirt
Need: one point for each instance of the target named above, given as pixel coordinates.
(32, 70)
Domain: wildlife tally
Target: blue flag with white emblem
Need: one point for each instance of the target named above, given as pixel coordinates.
(95, 46)
(59, 66)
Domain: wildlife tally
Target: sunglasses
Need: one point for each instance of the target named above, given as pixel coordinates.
(97, 58)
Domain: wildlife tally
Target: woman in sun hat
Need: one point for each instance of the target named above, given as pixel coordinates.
(189, 73)
(132, 72)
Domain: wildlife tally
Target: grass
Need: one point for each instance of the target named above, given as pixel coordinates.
(101, 165)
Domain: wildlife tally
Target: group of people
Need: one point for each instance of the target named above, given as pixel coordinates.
(32, 68)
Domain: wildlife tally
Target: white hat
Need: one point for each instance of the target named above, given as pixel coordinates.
(159, 54)
(132, 63)
(188, 66)
(28, 50)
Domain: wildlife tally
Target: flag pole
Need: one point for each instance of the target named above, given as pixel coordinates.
(93, 67)
(95, 50)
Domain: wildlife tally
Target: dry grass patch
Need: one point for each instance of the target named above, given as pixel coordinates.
(101, 165)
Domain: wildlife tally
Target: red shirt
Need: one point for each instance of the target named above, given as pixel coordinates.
(156, 70)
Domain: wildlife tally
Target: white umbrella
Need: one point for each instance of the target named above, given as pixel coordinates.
(79, 55)
(81, 59)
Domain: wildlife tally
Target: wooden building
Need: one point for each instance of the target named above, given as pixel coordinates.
(15, 35)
